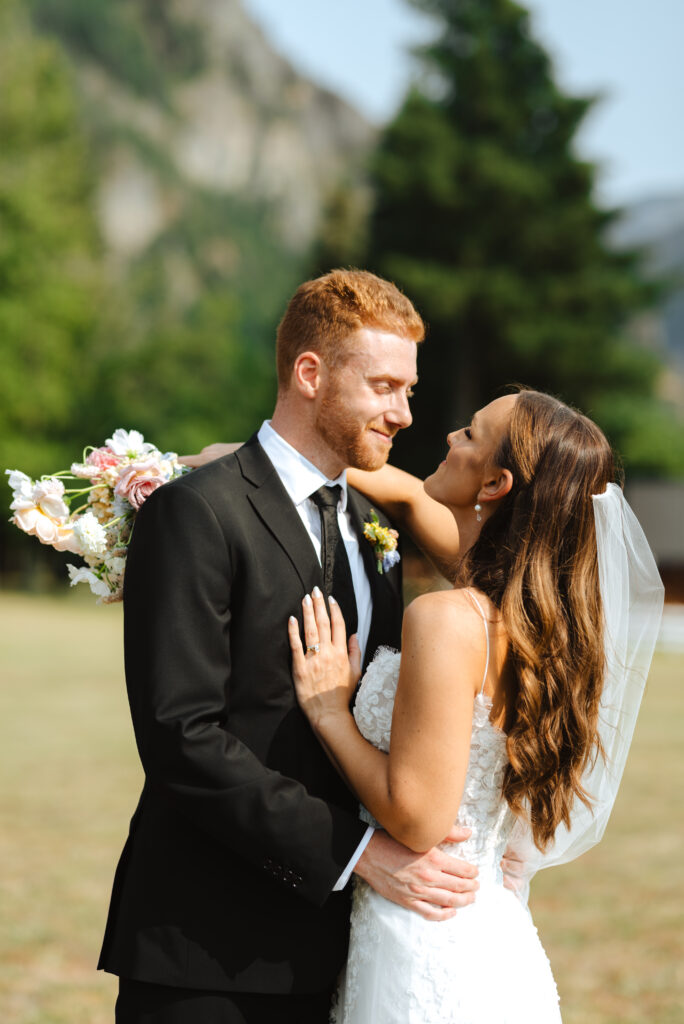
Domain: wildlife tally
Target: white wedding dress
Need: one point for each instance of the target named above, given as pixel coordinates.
(484, 966)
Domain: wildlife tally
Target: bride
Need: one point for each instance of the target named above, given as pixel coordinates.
(509, 711)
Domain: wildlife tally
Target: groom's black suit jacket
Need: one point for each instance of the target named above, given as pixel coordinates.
(243, 827)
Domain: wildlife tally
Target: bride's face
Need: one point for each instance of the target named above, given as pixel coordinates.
(468, 473)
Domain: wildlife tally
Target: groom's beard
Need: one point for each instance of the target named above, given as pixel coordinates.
(353, 442)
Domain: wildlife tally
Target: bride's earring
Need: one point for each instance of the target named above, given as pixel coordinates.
(478, 510)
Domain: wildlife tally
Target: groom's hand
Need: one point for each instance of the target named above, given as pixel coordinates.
(433, 884)
(514, 873)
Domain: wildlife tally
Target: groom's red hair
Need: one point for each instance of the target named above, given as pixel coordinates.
(324, 313)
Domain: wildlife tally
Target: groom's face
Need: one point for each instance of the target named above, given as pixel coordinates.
(363, 403)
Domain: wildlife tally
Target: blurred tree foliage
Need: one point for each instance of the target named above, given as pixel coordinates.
(485, 216)
(50, 286)
(139, 42)
(482, 212)
(185, 378)
(178, 342)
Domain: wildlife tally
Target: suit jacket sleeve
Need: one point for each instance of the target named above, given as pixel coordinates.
(176, 621)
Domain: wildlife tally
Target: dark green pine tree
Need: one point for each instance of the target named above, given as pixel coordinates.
(484, 215)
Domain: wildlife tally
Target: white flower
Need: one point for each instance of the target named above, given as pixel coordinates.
(49, 497)
(46, 496)
(82, 469)
(83, 575)
(121, 507)
(91, 535)
(22, 485)
(390, 559)
(115, 565)
(109, 478)
(170, 465)
(130, 443)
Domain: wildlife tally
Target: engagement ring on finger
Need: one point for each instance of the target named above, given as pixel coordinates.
(315, 648)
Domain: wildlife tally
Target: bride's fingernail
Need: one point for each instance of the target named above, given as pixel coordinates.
(307, 600)
(332, 600)
(292, 620)
(316, 592)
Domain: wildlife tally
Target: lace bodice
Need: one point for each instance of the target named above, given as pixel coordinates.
(482, 808)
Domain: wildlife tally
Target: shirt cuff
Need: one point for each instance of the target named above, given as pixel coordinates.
(356, 856)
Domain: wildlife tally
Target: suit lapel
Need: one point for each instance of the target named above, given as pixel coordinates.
(273, 505)
(383, 593)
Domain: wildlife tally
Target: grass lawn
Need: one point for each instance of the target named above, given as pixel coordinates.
(612, 923)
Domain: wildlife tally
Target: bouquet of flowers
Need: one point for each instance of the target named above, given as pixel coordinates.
(113, 481)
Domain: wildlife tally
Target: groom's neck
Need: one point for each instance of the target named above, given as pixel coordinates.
(299, 430)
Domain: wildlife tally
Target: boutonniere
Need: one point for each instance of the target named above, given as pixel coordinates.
(384, 542)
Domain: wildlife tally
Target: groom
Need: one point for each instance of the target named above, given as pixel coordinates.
(231, 898)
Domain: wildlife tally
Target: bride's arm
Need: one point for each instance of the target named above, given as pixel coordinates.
(209, 453)
(403, 498)
(399, 494)
(415, 791)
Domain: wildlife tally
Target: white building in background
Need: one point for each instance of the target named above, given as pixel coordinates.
(659, 506)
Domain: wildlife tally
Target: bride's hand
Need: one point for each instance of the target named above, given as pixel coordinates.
(208, 454)
(326, 674)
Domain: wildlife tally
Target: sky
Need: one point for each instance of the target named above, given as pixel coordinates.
(628, 51)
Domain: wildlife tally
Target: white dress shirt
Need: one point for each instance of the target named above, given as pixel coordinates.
(301, 478)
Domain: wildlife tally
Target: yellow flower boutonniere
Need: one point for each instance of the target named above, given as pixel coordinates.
(384, 542)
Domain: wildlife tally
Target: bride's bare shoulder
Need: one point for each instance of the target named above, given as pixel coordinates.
(450, 614)
(443, 648)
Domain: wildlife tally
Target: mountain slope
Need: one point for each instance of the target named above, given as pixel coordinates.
(188, 98)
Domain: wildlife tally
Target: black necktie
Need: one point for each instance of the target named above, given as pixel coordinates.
(337, 577)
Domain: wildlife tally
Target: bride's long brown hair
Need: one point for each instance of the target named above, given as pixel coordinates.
(536, 560)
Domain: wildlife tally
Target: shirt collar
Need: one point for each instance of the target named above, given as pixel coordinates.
(299, 477)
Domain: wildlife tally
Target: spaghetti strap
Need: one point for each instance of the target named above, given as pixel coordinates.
(484, 620)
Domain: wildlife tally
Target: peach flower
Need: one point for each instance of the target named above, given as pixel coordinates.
(45, 515)
(47, 529)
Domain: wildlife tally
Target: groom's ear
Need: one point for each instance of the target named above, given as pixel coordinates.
(497, 486)
(307, 373)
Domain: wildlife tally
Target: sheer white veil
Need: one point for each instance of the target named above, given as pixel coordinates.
(632, 596)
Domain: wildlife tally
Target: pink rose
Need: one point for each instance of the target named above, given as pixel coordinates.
(97, 462)
(138, 480)
(103, 458)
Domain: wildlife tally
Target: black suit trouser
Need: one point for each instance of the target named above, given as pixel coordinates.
(141, 1002)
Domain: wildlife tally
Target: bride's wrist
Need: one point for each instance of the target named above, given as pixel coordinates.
(327, 720)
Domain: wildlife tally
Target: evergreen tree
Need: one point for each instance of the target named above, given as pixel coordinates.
(191, 381)
(484, 214)
(50, 290)
(50, 286)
